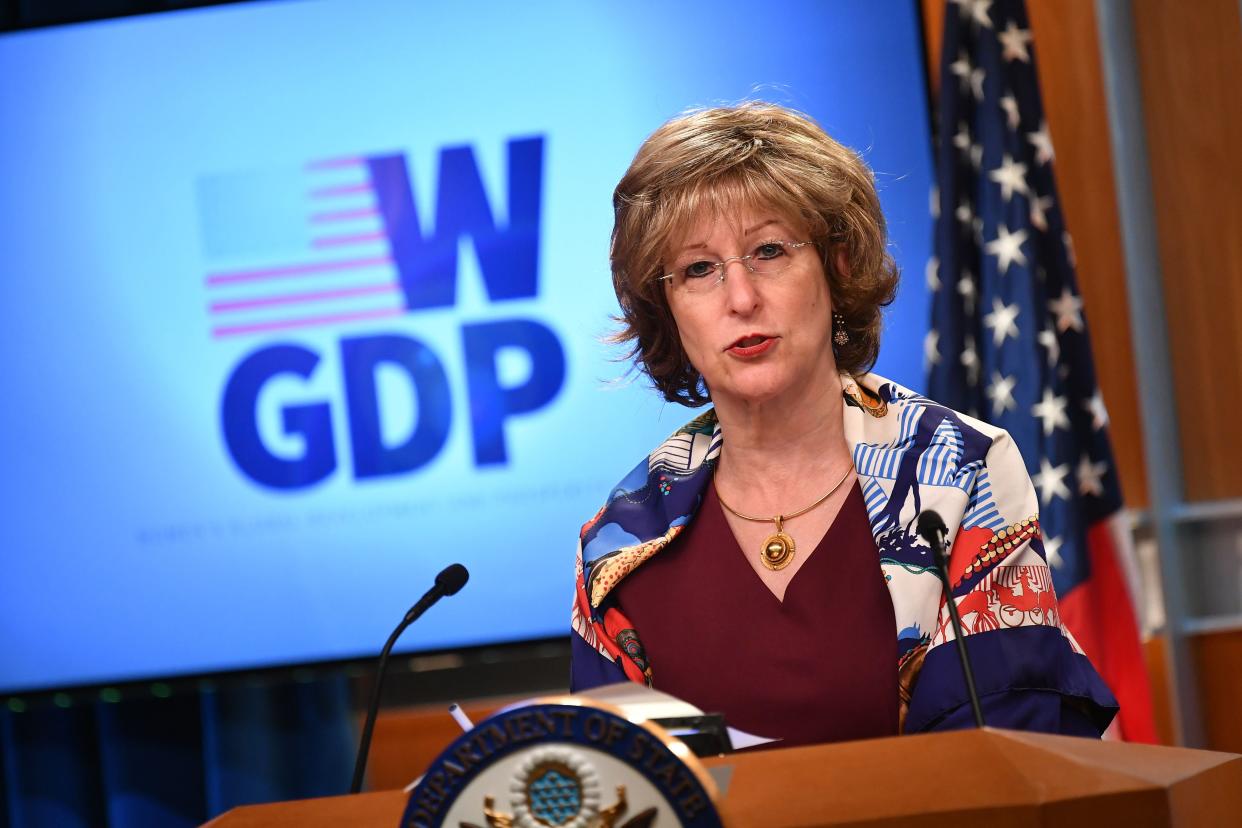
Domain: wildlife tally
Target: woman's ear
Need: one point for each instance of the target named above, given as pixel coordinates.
(840, 258)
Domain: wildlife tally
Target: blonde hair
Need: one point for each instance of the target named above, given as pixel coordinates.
(755, 154)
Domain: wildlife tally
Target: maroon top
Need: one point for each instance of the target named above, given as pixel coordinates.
(820, 667)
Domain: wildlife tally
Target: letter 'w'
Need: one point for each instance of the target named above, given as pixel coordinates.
(508, 256)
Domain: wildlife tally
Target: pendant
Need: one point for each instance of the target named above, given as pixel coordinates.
(778, 550)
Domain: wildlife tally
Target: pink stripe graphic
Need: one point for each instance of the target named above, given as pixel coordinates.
(341, 189)
(294, 298)
(335, 163)
(295, 270)
(307, 322)
(351, 238)
(344, 215)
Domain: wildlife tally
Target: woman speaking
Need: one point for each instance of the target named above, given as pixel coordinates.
(762, 562)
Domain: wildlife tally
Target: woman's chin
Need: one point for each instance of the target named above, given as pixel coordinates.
(761, 387)
(752, 393)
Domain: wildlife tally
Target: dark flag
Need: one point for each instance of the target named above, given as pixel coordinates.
(1008, 341)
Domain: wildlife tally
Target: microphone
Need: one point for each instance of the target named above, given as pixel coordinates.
(452, 579)
(448, 582)
(930, 527)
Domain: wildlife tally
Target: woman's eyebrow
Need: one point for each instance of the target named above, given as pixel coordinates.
(679, 251)
(760, 226)
(747, 232)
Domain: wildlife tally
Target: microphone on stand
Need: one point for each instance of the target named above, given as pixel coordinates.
(931, 528)
(448, 582)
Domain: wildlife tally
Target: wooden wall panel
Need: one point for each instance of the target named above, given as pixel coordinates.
(1071, 81)
(407, 739)
(1156, 659)
(1218, 664)
(933, 36)
(1191, 67)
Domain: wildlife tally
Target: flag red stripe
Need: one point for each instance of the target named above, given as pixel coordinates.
(1101, 617)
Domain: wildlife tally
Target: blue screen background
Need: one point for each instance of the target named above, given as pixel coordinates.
(141, 155)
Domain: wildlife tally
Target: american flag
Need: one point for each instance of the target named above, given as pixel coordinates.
(295, 248)
(1008, 340)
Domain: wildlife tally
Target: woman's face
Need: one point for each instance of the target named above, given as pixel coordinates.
(756, 337)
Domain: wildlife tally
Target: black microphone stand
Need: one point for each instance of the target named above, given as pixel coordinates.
(935, 535)
(447, 583)
(364, 747)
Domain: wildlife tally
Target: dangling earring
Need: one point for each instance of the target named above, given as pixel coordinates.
(840, 336)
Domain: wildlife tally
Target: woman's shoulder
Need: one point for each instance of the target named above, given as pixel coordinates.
(897, 412)
(689, 447)
(681, 454)
(648, 509)
(871, 391)
(661, 492)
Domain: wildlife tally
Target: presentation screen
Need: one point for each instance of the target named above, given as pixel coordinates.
(303, 301)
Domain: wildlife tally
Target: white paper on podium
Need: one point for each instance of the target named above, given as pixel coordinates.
(640, 703)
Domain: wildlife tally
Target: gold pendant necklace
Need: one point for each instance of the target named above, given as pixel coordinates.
(778, 550)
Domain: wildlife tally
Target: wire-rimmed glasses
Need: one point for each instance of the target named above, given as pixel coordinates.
(701, 276)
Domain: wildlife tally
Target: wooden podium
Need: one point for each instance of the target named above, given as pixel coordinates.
(962, 779)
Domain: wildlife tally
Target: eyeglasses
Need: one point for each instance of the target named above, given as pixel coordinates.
(700, 276)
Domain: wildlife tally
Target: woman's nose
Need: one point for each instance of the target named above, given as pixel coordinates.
(739, 287)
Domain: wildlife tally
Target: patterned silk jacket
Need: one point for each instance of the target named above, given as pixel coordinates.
(911, 454)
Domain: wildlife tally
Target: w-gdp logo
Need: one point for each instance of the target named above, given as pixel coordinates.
(340, 241)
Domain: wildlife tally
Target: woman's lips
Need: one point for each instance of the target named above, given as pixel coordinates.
(751, 346)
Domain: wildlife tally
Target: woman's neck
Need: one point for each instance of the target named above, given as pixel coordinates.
(777, 453)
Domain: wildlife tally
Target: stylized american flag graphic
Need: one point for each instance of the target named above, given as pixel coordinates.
(296, 248)
(1008, 340)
